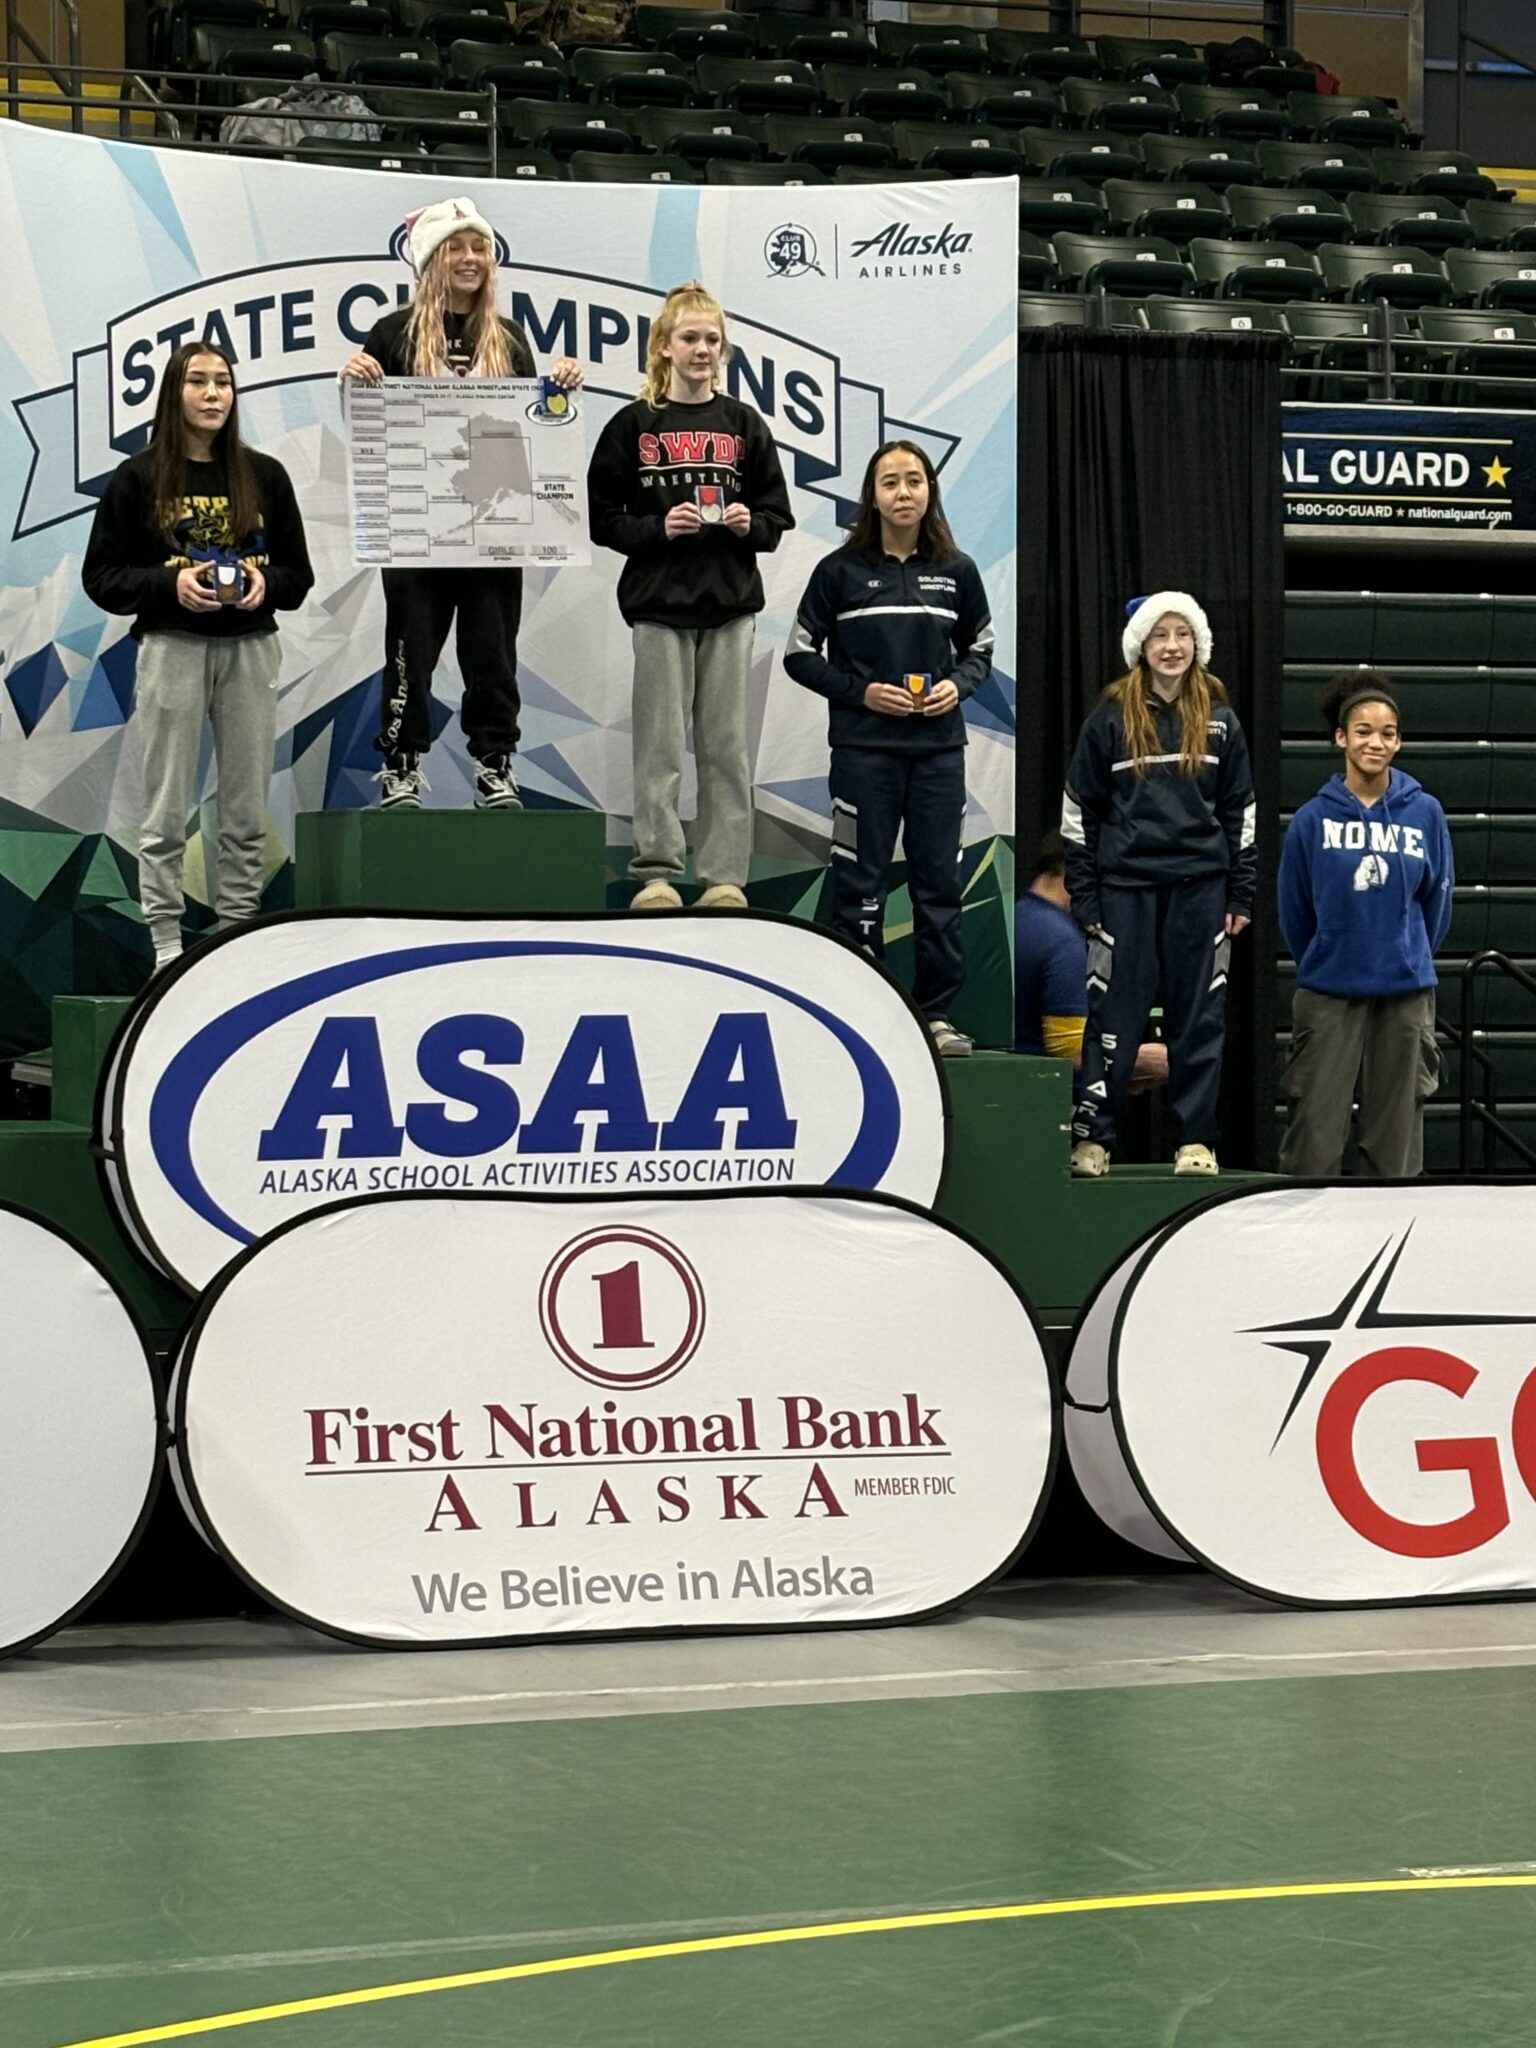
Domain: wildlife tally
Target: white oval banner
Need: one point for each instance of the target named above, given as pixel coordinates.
(1328, 1393)
(1093, 1444)
(80, 1430)
(481, 1419)
(320, 1056)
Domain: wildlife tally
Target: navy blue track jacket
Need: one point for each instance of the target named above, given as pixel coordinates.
(880, 620)
(1137, 831)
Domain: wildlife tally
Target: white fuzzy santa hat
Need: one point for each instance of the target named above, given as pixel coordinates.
(430, 226)
(1146, 611)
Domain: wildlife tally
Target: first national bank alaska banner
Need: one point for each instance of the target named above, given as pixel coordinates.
(858, 313)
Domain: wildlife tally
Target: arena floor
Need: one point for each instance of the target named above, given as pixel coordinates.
(1100, 1812)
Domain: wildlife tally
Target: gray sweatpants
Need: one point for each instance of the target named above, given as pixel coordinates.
(185, 679)
(1382, 1047)
(698, 673)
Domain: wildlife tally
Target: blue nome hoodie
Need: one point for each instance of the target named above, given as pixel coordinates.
(1365, 889)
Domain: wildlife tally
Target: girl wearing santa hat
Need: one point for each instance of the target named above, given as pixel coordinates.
(1158, 828)
(451, 328)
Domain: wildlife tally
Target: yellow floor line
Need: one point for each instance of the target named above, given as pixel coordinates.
(774, 1937)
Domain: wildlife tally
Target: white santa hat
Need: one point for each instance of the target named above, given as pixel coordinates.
(1144, 613)
(431, 225)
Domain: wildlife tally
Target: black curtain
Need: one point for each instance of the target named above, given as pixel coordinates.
(1152, 462)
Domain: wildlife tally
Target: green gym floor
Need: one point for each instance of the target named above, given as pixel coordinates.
(1117, 1811)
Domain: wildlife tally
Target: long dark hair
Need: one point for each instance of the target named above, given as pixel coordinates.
(168, 448)
(935, 542)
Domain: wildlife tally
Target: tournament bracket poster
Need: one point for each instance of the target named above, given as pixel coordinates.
(858, 314)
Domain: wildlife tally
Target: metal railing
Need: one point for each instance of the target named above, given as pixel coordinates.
(19, 37)
(1484, 1116)
(1467, 40)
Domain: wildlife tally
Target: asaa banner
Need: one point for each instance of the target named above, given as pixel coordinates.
(80, 1430)
(1327, 1392)
(711, 1413)
(323, 1055)
(857, 313)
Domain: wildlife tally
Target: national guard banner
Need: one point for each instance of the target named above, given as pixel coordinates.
(857, 313)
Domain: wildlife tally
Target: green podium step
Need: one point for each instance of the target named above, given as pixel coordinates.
(1010, 1186)
(498, 861)
(82, 1031)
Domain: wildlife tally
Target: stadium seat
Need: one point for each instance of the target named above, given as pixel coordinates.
(882, 95)
(759, 85)
(1341, 344)
(515, 162)
(1266, 272)
(1466, 775)
(1213, 316)
(1036, 310)
(1494, 277)
(950, 46)
(521, 72)
(1445, 172)
(1138, 206)
(1422, 221)
(1403, 277)
(827, 140)
(903, 174)
(1165, 60)
(1196, 160)
(426, 114)
(1330, 626)
(1041, 53)
(1067, 155)
(1232, 110)
(632, 78)
(1037, 265)
(188, 16)
(1132, 267)
(561, 128)
(1292, 214)
(1429, 627)
(1503, 223)
(1124, 109)
(690, 32)
(468, 158)
(320, 18)
(251, 53)
(447, 25)
(1338, 117)
(968, 152)
(1438, 703)
(813, 40)
(597, 167)
(381, 60)
(1514, 632)
(1002, 102)
(722, 170)
(359, 156)
(698, 133)
(1048, 205)
(1324, 166)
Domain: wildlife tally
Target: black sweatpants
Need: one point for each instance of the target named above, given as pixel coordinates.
(1171, 938)
(419, 607)
(877, 793)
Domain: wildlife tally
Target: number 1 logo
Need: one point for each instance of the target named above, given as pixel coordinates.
(622, 1307)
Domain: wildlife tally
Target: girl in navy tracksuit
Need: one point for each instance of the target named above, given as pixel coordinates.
(1157, 824)
(1365, 899)
(907, 634)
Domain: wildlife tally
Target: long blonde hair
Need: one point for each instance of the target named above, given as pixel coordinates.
(425, 333)
(1197, 693)
(682, 300)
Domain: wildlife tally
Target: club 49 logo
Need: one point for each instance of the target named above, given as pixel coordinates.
(790, 251)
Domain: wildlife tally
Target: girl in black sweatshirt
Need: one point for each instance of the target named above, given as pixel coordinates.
(199, 537)
(686, 484)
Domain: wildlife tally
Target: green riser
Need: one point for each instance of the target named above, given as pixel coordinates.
(504, 862)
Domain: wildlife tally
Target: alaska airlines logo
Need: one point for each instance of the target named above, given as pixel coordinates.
(268, 1099)
(899, 250)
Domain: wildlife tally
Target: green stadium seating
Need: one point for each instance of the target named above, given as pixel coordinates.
(827, 140)
(690, 32)
(1272, 272)
(1127, 109)
(1042, 53)
(1233, 111)
(1142, 206)
(1293, 214)
(1403, 277)
(1213, 316)
(1422, 221)
(1494, 277)
(1166, 59)
(632, 78)
(1131, 266)
(1340, 117)
(1195, 160)
(698, 133)
(1503, 223)
(1324, 166)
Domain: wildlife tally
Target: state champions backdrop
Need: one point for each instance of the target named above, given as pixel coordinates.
(857, 313)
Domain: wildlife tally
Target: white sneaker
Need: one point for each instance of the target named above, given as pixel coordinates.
(1195, 1159)
(403, 783)
(722, 896)
(951, 1044)
(656, 895)
(496, 786)
(1089, 1161)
